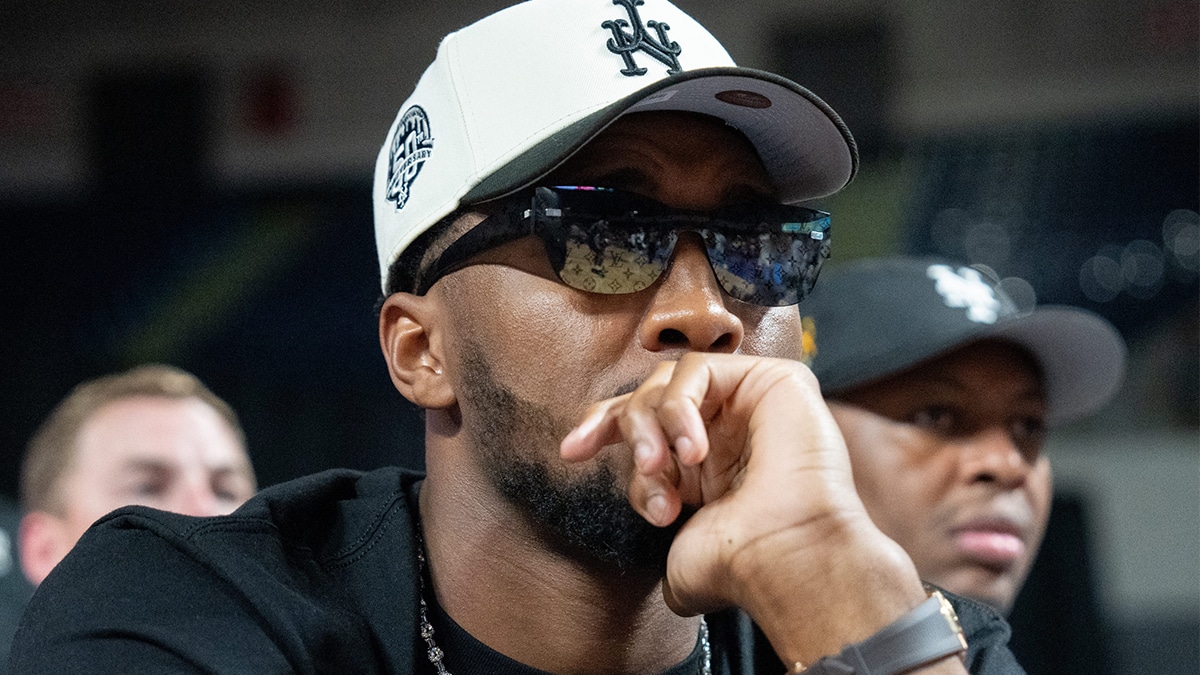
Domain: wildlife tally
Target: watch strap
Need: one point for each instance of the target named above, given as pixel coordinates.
(928, 632)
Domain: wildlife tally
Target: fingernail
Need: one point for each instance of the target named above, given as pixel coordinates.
(572, 435)
(584, 428)
(683, 446)
(642, 453)
(657, 508)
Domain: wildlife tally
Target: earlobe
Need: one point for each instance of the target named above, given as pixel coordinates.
(410, 337)
(42, 544)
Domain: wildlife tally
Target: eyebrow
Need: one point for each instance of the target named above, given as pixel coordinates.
(235, 471)
(139, 464)
(143, 464)
(1034, 390)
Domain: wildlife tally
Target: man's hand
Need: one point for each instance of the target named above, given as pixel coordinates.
(778, 529)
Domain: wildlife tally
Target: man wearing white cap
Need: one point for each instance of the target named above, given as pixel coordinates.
(944, 389)
(590, 250)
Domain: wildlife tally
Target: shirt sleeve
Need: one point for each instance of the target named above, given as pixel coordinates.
(127, 600)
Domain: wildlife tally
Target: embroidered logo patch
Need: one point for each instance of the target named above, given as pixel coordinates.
(411, 146)
(625, 43)
(966, 288)
(745, 99)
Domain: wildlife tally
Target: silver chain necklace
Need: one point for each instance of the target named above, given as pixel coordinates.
(436, 655)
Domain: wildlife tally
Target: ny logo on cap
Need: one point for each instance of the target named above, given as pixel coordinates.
(966, 288)
(625, 44)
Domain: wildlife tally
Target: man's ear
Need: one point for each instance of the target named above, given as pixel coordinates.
(411, 338)
(44, 540)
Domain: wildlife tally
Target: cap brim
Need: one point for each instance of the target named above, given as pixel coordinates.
(1082, 357)
(804, 145)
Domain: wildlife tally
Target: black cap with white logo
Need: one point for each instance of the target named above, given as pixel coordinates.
(879, 317)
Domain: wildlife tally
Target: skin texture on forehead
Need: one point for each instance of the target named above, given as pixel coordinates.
(947, 460)
(697, 162)
(173, 454)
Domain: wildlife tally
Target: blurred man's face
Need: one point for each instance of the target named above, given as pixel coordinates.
(947, 458)
(172, 454)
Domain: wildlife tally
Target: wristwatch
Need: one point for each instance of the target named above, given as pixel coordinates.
(929, 632)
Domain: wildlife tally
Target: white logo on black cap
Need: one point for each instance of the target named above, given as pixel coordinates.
(411, 146)
(966, 288)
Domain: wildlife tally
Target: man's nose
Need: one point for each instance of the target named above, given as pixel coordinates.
(992, 456)
(688, 309)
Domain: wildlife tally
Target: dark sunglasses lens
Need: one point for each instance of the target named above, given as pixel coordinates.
(771, 269)
(605, 241)
(601, 257)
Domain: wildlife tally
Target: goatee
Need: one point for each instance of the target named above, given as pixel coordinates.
(585, 516)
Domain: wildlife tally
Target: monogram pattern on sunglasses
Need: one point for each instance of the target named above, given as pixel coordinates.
(604, 241)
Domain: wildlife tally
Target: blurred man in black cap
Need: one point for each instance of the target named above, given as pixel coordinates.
(944, 389)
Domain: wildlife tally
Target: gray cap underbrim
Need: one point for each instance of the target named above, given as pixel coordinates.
(804, 145)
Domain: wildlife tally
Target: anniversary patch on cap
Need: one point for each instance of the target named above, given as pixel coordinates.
(746, 99)
(412, 145)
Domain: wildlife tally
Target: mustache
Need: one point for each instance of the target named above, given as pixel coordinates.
(635, 382)
(627, 388)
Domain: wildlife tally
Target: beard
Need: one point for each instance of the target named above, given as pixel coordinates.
(587, 516)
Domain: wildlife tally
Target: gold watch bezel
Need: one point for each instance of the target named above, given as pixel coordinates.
(951, 616)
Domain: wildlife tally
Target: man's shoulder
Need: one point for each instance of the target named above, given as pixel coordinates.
(312, 571)
(326, 516)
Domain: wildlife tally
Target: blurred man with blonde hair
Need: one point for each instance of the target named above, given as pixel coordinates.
(153, 435)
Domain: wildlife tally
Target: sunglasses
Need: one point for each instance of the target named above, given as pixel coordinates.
(608, 241)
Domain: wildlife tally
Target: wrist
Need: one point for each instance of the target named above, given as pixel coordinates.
(814, 598)
(927, 635)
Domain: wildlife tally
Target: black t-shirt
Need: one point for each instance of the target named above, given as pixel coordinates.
(317, 575)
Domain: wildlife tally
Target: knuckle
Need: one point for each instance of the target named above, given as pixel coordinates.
(674, 407)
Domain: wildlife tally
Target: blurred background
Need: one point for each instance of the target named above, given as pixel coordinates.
(190, 183)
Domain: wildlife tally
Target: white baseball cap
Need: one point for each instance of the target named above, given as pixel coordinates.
(510, 97)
